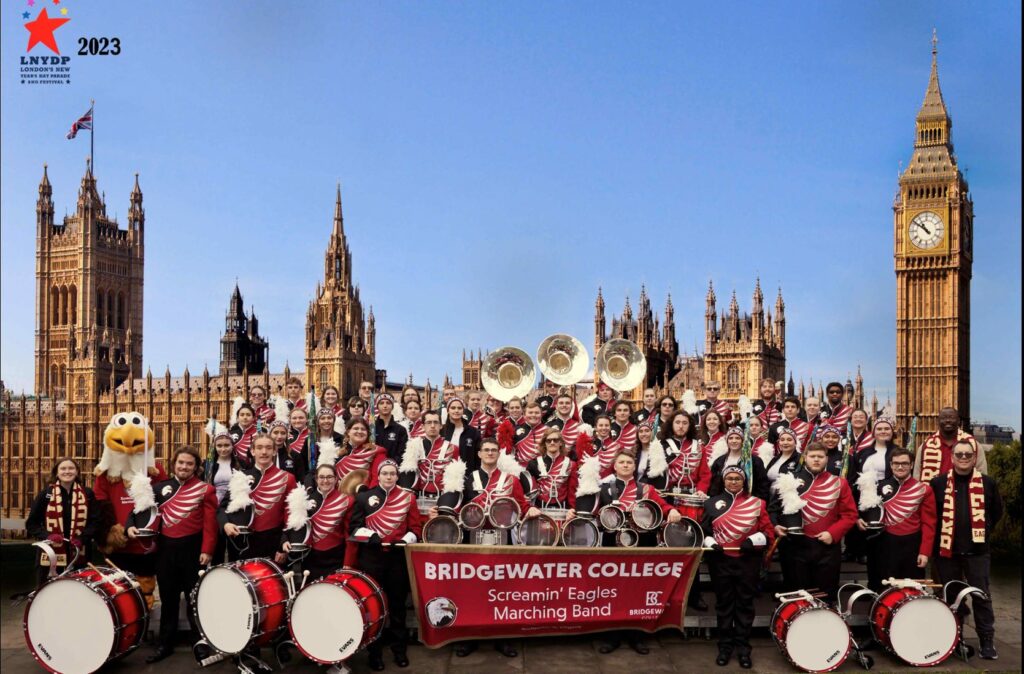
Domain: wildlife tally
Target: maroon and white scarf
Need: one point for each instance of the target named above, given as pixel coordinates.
(976, 499)
(55, 512)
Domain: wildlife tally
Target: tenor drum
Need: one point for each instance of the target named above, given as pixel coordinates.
(77, 622)
(915, 626)
(472, 516)
(443, 529)
(336, 616)
(503, 513)
(627, 538)
(581, 532)
(685, 533)
(812, 636)
(645, 515)
(240, 604)
(611, 518)
(539, 530)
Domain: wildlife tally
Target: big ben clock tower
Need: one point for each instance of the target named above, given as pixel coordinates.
(933, 250)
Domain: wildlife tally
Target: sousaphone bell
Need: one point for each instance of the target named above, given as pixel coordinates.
(508, 373)
(620, 364)
(563, 359)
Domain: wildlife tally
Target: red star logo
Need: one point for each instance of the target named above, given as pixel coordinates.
(41, 30)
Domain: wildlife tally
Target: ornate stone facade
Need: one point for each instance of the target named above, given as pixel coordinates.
(241, 347)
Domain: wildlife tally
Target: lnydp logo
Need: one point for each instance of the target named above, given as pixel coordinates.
(43, 61)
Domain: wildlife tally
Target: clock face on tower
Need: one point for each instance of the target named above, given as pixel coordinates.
(926, 230)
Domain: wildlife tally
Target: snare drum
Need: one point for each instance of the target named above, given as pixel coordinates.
(240, 604)
(645, 515)
(611, 517)
(915, 626)
(443, 529)
(472, 516)
(812, 636)
(334, 617)
(685, 533)
(539, 530)
(503, 513)
(81, 620)
(580, 532)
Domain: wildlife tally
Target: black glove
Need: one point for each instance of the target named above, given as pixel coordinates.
(747, 545)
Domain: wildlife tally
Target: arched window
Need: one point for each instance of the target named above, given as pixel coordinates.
(73, 302)
(323, 379)
(120, 311)
(54, 374)
(100, 308)
(80, 388)
(64, 305)
(54, 305)
(110, 309)
(732, 378)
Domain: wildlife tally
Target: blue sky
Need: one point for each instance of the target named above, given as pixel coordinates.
(499, 161)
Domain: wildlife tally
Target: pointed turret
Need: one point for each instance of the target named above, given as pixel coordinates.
(933, 107)
(44, 207)
(339, 223)
(710, 334)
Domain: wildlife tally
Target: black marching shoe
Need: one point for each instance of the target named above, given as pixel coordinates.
(465, 648)
(744, 659)
(988, 649)
(697, 603)
(639, 646)
(506, 648)
(161, 653)
(608, 646)
(723, 658)
(401, 659)
(377, 662)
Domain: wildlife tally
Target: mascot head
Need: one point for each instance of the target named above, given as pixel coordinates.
(128, 433)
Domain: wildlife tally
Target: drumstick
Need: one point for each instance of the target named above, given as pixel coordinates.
(305, 577)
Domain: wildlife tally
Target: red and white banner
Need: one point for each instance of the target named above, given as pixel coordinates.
(480, 591)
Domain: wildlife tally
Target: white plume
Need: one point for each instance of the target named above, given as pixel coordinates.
(454, 476)
(507, 464)
(718, 449)
(141, 491)
(235, 406)
(689, 401)
(766, 452)
(298, 504)
(310, 399)
(787, 485)
(281, 411)
(657, 462)
(412, 456)
(589, 476)
(867, 483)
(745, 407)
(586, 429)
(239, 489)
(339, 425)
(328, 452)
(215, 428)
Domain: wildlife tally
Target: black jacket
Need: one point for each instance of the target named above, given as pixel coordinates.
(761, 488)
(469, 444)
(391, 437)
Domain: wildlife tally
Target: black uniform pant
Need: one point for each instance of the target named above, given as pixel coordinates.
(815, 565)
(735, 582)
(892, 556)
(255, 545)
(386, 565)
(321, 563)
(974, 569)
(177, 570)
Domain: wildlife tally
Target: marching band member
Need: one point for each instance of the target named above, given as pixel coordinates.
(293, 394)
(768, 409)
(413, 423)
(623, 428)
(831, 437)
(366, 395)
(598, 405)
(812, 411)
(877, 458)
(484, 423)
(733, 456)
(409, 393)
(515, 411)
(318, 516)
(547, 401)
(826, 510)
(902, 547)
(554, 473)
(969, 507)
(648, 408)
(837, 413)
(383, 517)
(298, 435)
(258, 400)
(677, 460)
(326, 433)
(712, 434)
(496, 408)
(759, 439)
(331, 400)
(603, 445)
(666, 406)
(642, 451)
(425, 458)
(262, 487)
(862, 437)
(387, 432)
(788, 458)
(739, 531)
(355, 408)
(188, 538)
(525, 442)
(65, 514)
(284, 457)
(219, 468)
(790, 419)
(566, 418)
(713, 402)
(243, 429)
(458, 432)
(357, 452)
(935, 456)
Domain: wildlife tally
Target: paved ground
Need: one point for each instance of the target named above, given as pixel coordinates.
(670, 651)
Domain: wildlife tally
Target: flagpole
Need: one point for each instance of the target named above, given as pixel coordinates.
(92, 135)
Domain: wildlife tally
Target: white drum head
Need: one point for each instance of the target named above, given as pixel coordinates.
(224, 610)
(70, 627)
(923, 631)
(818, 640)
(326, 622)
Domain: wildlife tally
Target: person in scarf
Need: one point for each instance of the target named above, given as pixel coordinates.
(458, 432)
(768, 408)
(902, 548)
(739, 531)
(935, 456)
(243, 429)
(284, 457)
(383, 518)
(969, 507)
(65, 515)
(554, 473)
(387, 432)
(425, 458)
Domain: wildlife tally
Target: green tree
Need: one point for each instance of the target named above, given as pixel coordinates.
(1004, 466)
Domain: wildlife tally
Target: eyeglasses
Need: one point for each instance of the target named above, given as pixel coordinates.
(667, 405)
(714, 388)
(963, 455)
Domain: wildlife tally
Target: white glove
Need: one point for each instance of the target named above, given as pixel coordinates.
(709, 542)
(758, 539)
(364, 532)
(409, 537)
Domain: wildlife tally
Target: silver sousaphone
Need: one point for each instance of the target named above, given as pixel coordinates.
(508, 373)
(620, 364)
(563, 359)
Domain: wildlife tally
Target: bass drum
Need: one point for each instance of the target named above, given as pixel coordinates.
(443, 529)
(812, 636)
(539, 530)
(336, 616)
(79, 621)
(580, 532)
(503, 513)
(241, 603)
(685, 533)
(915, 626)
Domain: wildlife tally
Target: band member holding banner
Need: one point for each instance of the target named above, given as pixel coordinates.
(969, 507)
(739, 531)
(554, 473)
(317, 521)
(65, 515)
(384, 518)
(935, 456)
(812, 511)
(425, 458)
(256, 501)
(188, 538)
(387, 432)
(900, 511)
(458, 432)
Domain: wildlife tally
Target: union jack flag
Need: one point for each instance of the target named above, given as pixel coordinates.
(82, 123)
